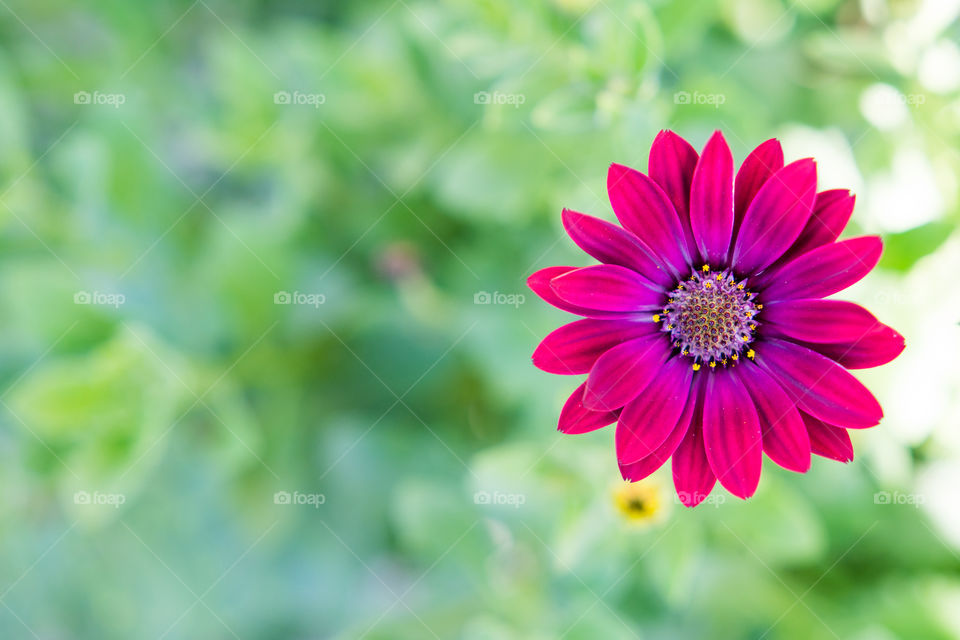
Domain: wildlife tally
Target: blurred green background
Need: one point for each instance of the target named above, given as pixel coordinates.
(265, 335)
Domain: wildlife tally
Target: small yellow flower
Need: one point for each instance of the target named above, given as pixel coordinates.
(641, 503)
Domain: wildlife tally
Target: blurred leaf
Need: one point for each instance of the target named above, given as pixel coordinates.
(902, 250)
(775, 527)
(98, 414)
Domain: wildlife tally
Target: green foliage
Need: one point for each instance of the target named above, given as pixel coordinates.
(248, 389)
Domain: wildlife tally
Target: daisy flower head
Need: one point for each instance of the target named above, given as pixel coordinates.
(706, 334)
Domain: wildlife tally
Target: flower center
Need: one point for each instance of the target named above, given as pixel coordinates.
(710, 317)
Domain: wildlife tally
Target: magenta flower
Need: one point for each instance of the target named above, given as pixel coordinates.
(706, 336)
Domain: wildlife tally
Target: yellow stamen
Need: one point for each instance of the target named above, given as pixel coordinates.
(734, 357)
(740, 286)
(759, 306)
(656, 317)
(751, 353)
(706, 267)
(713, 364)
(719, 277)
(696, 366)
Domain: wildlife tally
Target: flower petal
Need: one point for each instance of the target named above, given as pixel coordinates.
(831, 212)
(818, 320)
(711, 200)
(827, 440)
(644, 467)
(671, 165)
(731, 434)
(643, 208)
(575, 347)
(539, 283)
(818, 385)
(576, 418)
(776, 216)
(823, 271)
(879, 346)
(608, 287)
(785, 439)
(648, 419)
(624, 371)
(692, 475)
(611, 244)
(763, 162)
